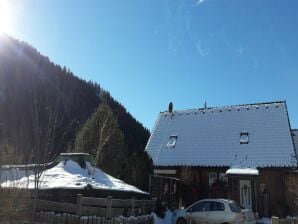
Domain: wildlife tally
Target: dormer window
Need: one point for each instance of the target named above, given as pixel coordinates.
(172, 141)
(244, 138)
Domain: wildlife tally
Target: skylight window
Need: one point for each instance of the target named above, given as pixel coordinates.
(172, 141)
(244, 138)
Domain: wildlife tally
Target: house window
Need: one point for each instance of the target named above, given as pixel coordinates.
(244, 138)
(172, 141)
(212, 178)
(223, 179)
(218, 179)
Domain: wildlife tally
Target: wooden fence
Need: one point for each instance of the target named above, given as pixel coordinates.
(52, 218)
(100, 207)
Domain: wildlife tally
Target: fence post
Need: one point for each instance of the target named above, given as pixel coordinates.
(143, 207)
(153, 205)
(133, 206)
(79, 203)
(275, 220)
(109, 207)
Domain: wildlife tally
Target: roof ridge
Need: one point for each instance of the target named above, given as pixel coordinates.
(230, 106)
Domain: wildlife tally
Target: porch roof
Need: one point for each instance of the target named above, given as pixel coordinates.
(242, 171)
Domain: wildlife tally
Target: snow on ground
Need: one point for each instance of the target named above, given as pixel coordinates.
(264, 221)
(66, 174)
(166, 220)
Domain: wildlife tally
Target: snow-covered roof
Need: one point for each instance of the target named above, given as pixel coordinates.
(67, 175)
(242, 171)
(252, 135)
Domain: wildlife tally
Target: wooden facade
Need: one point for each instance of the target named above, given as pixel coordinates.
(292, 192)
(242, 152)
(264, 193)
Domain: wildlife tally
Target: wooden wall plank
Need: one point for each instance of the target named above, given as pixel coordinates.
(100, 202)
(56, 206)
(120, 203)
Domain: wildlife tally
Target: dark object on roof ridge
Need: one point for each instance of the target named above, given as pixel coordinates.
(170, 107)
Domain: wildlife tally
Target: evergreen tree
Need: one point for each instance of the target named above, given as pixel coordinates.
(102, 138)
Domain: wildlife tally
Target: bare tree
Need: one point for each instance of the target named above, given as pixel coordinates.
(47, 117)
(106, 124)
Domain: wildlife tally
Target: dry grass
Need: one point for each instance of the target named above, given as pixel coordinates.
(14, 205)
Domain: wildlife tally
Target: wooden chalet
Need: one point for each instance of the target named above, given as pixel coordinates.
(243, 152)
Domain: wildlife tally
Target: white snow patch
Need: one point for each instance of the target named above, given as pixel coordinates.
(66, 174)
(166, 220)
(242, 171)
(264, 221)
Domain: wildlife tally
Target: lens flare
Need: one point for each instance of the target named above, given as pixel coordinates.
(5, 16)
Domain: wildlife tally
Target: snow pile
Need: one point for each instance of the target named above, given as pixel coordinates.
(166, 220)
(264, 221)
(66, 174)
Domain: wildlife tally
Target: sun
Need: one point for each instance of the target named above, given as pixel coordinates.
(5, 16)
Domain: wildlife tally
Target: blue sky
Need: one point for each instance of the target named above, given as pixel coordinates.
(148, 53)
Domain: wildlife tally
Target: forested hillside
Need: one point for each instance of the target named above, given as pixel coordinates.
(43, 107)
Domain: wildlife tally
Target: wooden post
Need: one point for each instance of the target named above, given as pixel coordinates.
(79, 204)
(51, 217)
(161, 188)
(97, 220)
(109, 207)
(143, 207)
(256, 195)
(64, 218)
(274, 220)
(133, 206)
(150, 183)
(170, 195)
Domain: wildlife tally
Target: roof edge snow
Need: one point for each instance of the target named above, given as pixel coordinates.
(242, 171)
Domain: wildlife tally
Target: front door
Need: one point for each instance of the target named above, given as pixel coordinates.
(245, 193)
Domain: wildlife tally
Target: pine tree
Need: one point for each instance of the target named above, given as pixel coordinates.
(102, 138)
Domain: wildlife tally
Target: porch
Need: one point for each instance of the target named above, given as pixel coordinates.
(264, 192)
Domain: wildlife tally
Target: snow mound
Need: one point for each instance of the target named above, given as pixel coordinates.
(66, 174)
(166, 220)
(264, 221)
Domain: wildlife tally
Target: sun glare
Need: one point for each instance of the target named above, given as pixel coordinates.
(5, 16)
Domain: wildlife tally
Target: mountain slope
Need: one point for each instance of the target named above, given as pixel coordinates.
(43, 106)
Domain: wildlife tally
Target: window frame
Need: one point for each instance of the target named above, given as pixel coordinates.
(212, 177)
(170, 144)
(243, 140)
(220, 180)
